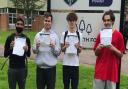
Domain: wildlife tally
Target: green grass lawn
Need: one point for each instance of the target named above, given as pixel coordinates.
(86, 72)
(5, 34)
(85, 80)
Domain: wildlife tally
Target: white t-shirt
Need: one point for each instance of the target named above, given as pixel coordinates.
(71, 59)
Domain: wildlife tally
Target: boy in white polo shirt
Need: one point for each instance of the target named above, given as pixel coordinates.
(71, 42)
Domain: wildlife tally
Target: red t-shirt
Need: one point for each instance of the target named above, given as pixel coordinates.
(107, 63)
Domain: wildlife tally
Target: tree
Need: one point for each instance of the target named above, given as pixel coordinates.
(28, 6)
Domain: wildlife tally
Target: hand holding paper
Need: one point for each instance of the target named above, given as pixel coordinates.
(12, 45)
(25, 48)
(73, 43)
(77, 45)
(18, 46)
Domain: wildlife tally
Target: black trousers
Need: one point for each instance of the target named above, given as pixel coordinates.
(70, 73)
(46, 77)
(16, 76)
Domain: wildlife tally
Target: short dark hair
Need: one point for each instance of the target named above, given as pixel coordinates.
(19, 19)
(48, 14)
(111, 14)
(72, 17)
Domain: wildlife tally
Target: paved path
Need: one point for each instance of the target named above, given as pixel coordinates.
(87, 57)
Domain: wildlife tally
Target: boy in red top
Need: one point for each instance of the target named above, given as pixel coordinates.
(108, 57)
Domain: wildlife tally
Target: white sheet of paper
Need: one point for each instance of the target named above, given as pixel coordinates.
(106, 36)
(44, 43)
(18, 46)
(72, 40)
(71, 50)
(44, 49)
(45, 40)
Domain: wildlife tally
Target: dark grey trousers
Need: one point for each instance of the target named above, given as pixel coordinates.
(16, 76)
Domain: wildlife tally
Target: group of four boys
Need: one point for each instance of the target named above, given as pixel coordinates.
(107, 64)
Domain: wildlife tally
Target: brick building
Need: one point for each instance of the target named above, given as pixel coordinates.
(8, 15)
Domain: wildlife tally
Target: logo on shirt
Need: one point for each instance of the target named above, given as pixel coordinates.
(100, 2)
(70, 2)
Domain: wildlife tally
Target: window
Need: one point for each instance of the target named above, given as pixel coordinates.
(3, 10)
(11, 10)
(12, 18)
(29, 22)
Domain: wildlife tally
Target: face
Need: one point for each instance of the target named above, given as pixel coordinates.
(72, 24)
(19, 26)
(107, 21)
(47, 23)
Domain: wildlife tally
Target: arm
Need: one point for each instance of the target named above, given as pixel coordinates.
(78, 47)
(79, 44)
(117, 52)
(98, 49)
(64, 46)
(7, 48)
(97, 46)
(28, 51)
(55, 47)
(119, 49)
(35, 47)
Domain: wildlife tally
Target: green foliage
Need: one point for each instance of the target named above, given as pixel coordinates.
(85, 79)
(28, 6)
(126, 2)
(3, 36)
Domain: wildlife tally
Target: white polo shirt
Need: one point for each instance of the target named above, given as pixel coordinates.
(70, 59)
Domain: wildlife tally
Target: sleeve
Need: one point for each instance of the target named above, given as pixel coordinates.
(62, 38)
(56, 51)
(28, 53)
(34, 49)
(7, 50)
(97, 41)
